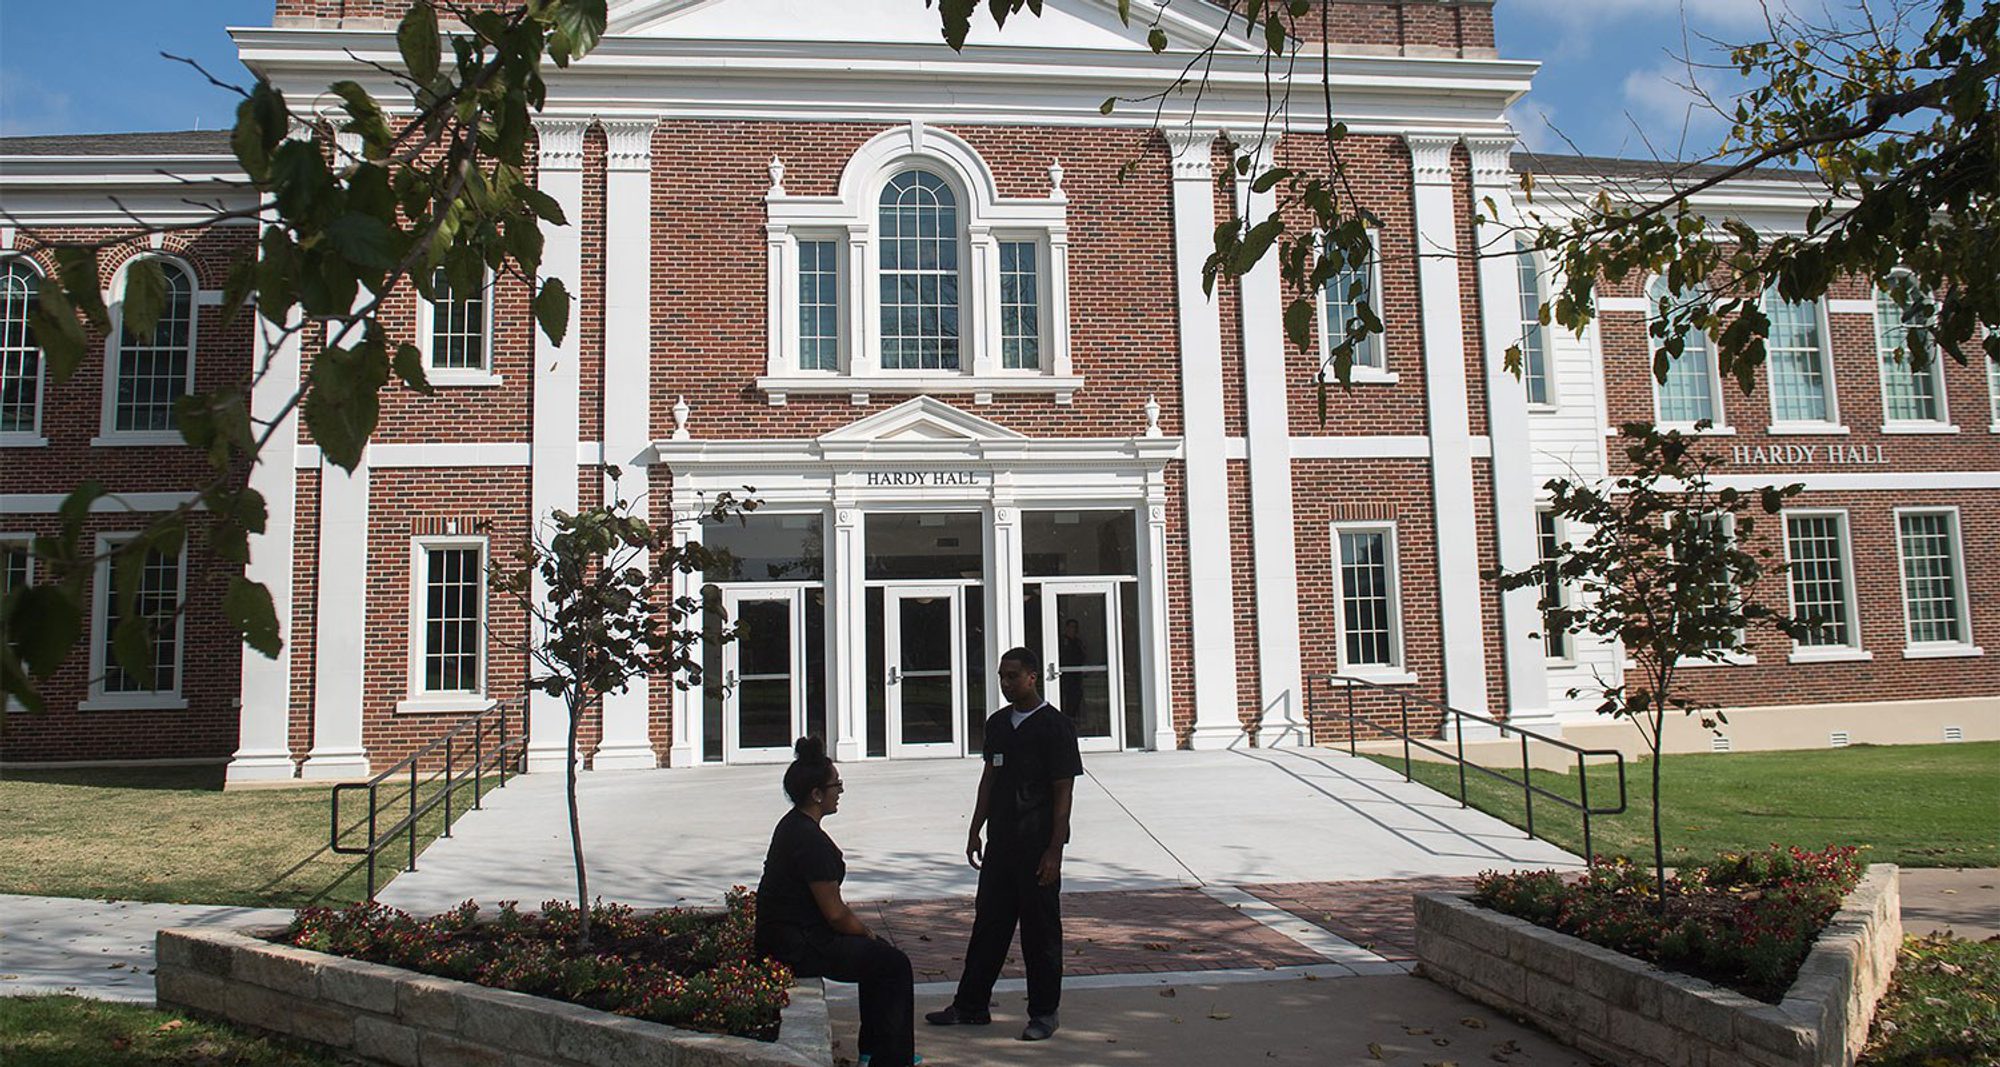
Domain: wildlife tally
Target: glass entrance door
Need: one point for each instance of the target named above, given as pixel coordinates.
(1083, 675)
(925, 655)
(763, 704)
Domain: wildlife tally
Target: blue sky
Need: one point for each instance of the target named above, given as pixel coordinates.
(93, 66)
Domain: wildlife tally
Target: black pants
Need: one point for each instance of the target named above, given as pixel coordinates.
(1009, 894)
(888, 1008)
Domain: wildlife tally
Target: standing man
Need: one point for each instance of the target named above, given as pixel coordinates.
(1025, 791)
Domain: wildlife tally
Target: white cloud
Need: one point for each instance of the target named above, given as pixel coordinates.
(1670, 117)
(1733, 15)
(1536, 123)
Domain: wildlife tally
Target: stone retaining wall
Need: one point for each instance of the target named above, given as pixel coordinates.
(407, 1019)
(1630, 1012)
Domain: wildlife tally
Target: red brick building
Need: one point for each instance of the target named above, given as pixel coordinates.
(948, 319)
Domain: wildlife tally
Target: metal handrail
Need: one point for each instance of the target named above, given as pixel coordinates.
(490, 744)
(1529, 790)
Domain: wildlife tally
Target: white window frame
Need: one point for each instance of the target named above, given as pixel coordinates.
(1829, 425)
(427, 327)
(1962, 600)
(1553, 396)
(1377, 373)
(32, 437)
(1718, 420)
(98, 699)
(1941, 424)
(1043, 319)
(1992, 388)
(1853, 649)
(25, 541)
(852, 215)
(108, 434)
(1730, 658)
(1397, 672)
(843, 301)
(1564, 592)
(418, 700)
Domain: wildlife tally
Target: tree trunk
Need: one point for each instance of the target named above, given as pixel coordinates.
(576, 832)
(1659, 841)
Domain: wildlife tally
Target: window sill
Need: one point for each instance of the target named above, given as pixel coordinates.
(1379, 675)
(23, 440)
(1805, 429)
(458, 379)
(1919, 427)
(138, 439)
(1840, 654)
(776, 388)
(1686, 429)
(444, 704)
(1733, 659)
(1543, 407)
(1369, 376)
(1942, 651)
(134, 702)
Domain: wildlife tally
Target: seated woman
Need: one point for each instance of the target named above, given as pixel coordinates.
(803, 923)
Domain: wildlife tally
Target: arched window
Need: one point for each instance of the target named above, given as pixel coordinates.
(1688, 393)
(1534, 340)
(1909, 394)
(20, 356)
(919, 243)
(154, 371)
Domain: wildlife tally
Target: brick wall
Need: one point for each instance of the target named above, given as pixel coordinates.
(1453, 27)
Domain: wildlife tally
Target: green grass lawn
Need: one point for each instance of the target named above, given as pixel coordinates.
(1943, 1006)
(173, 835)
(1917, 805)
(74, 1032)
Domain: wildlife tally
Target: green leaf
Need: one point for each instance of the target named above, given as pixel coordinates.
(344, 403)
(552, 309)
(579, 24)
(57, 331)
(1109, 103)
(1156, 39)
(417, 40)
(248, 607)
(365, 118)
(76, 269)
(409, 366)
(363, 239)
(58, 625)
(145, 296)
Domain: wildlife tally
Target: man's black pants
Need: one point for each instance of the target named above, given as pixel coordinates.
(888, 1006)
(1008, 894)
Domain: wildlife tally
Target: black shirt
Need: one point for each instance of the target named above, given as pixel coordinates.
(800, 853)
(1026, 762)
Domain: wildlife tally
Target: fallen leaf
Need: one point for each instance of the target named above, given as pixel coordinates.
(1156, 946)
(1374, 1051)
(1174, 1019)
(1218, 1015)
(170, 1026)
(1311, 977)
(1473, 1022)
(1416, 1031)
(1441, 1042)
(1169, 992)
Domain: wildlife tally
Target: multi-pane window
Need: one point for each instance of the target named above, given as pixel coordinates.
(153, 371)
(919, 276)
(1800, 390)
(453, 599)
(1993, 389)
(1688, 394)
(1908, 393)
(819, 305)
(17, 564)
(20, 356)
(1020, 306)
(158, 604)
(1534, 340)
(1933, 601)
(458, 327)
(1365, 563)
(1815, 548)
(1555, 641)
(1354, 285)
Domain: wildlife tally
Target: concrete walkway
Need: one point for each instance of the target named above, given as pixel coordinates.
(97, 948)
(1143, 820)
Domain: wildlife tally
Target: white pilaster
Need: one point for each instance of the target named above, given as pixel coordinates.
(1267, 415)
(1450, 427)
(685, 705)
(1005, 625)
(553, 478)
(846, 626)
(1507, 421)
(340, 628)
(1209, 585)
(1158, 698)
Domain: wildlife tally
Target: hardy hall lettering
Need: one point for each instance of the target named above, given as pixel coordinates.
(1798, 455)
(920, 479)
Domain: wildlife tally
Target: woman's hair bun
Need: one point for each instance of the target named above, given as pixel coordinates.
(809, 748)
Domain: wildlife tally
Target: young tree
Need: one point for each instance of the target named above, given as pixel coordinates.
(593, 586)
(1666, 563)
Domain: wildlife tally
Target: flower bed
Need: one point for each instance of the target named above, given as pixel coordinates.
(1745, 922)
(692, 970)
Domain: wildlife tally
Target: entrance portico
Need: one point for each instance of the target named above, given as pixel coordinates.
(890, 561)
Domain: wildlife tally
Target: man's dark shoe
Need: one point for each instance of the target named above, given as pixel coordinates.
(952, 1015)
(1040, 1028)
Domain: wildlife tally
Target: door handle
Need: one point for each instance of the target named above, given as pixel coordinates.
(729, 681)
(894, 677)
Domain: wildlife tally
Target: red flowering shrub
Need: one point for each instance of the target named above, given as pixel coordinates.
(695, 970)
(1742, 921)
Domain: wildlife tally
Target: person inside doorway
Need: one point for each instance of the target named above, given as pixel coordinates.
(1025, 792)
(803, 923)
(1070, 654)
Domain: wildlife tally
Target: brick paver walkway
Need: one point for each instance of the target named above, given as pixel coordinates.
(1378, 915)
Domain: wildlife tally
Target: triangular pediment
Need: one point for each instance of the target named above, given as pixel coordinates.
(922, 419)
(1083, 24)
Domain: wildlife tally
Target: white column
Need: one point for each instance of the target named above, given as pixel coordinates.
(263, 749)
(1267, 414)
(1209, 586)
(628, 387)
(685, 705)
(846, 631)
(1005, 627)
(340, 627)
(1507, 422)
(1158, 698)
(1450, 427)
(552, 481)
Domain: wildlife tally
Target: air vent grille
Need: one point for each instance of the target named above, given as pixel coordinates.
(1718, 744)
(1954, 733)
(1838, 739)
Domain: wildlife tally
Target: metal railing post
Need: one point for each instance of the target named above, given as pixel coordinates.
(478, 758)
(1352, 730)
(1458, 727)
(1527, 785)
(1403, 702)
(449, 786)
(413, 817)
(1583, 794)
(372, 844)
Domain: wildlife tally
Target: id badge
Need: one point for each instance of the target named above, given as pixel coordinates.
(999, 759)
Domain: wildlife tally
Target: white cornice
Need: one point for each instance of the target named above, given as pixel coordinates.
(80, 190)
